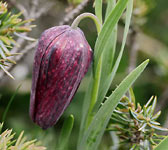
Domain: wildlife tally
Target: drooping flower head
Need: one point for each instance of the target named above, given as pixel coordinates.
(61, 60)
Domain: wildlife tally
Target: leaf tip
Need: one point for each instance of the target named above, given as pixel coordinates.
(72, 117)
(147, 61)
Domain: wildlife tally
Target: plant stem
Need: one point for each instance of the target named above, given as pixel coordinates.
(96, 76)
(95, 91)
(87, 15)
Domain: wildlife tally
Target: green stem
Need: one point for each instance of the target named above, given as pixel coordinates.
(96, 77)
(87, 15)
(95, 91)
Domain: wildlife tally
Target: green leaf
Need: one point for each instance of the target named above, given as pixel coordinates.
(120, 117)
(110, 5)
(65, 133)
(163, 145)
(134, 115)
(86, 105)
(2, 54)
(7, 53)
(143, 127)
(149, 101)
(106, 79)
(156, 115)
(153, 106)
(98, 9)
(93, 135)
(132, 96)
(110, 51)
(107, 29)
(5, 40)
(157, 127)
(1, 126)
(155, 123)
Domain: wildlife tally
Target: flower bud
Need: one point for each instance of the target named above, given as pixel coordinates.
(62, 59)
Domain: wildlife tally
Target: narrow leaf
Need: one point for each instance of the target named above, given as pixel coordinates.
(2, 54)
(86, 104)
(158, 127)
(98, 9)
(149, 101)
(143, 127)
(4, 69)
(156, 115)
(110, 4)
(132, 96)
(9, 104)
(107, 30)
(4, 48)
(93, 135)
(19, 139)
(153, 106)
(24, 37)
(1, 126)
(163, 145)
(107, 80)
(155, 123)
(5, 40)
(65, 133)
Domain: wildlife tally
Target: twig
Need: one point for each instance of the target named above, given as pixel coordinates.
(26, 50)
(35, 12)
(21, 8)
(32, 12)
(43, 10)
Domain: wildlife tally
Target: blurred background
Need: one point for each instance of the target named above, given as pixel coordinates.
(148, 38)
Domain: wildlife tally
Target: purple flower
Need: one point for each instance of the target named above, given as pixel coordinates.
(62, 59)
